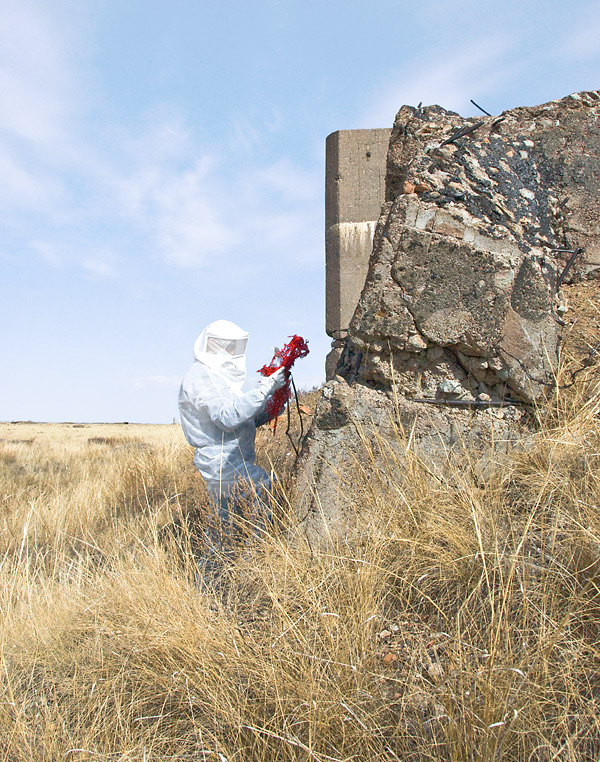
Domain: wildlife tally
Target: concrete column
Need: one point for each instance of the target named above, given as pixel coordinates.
(355, 166)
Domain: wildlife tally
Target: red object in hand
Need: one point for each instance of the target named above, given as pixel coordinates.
(283, 358)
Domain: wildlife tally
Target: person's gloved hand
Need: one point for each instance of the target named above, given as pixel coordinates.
(271, 384)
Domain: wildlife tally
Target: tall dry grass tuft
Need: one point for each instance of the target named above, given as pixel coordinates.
(458, 620)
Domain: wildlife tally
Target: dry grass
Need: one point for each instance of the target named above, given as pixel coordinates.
(459, 623)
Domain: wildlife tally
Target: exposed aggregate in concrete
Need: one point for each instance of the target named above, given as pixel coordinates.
(461, 299)
(464, 300)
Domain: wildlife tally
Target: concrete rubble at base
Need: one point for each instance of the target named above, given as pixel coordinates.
(462, 300)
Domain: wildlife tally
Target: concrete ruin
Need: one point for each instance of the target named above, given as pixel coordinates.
(458, 326)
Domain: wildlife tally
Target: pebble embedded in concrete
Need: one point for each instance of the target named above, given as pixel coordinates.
(451, 387)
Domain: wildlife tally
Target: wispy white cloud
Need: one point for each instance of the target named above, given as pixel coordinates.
(36, 81)
(245, 134)
(215, 208)
(37, 106)
(449, 79)
(99, 265)
(182, 202)
(282, 216)
(23, 185)
(284, 179)
(181, 209)
(49, 252)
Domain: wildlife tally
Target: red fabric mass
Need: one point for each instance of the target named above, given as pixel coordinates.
(283, 358)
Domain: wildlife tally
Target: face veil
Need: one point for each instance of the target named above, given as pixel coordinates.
(222, 347)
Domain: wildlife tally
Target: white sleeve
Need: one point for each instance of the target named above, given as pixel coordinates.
(224, 409)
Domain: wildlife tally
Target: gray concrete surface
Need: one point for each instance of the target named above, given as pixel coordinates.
(462, 297)
(354, 193)
(458, 328)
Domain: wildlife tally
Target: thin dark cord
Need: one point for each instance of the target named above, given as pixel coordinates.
(289, 417)
(289, 423)
(469, 403)
(300, 418)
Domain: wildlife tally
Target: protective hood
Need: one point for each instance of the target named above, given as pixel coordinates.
(222, 347)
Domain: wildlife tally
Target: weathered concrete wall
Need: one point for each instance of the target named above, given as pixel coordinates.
(462, 298)
(354, 193)
(460, 320)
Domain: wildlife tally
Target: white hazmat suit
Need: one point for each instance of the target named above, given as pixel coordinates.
(217, 418)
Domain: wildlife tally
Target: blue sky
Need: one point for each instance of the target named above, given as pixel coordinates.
(162, 166)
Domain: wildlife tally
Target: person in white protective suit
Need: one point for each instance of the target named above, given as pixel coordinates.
(220, 420)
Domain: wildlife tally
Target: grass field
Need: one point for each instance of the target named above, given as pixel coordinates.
(460, 622)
